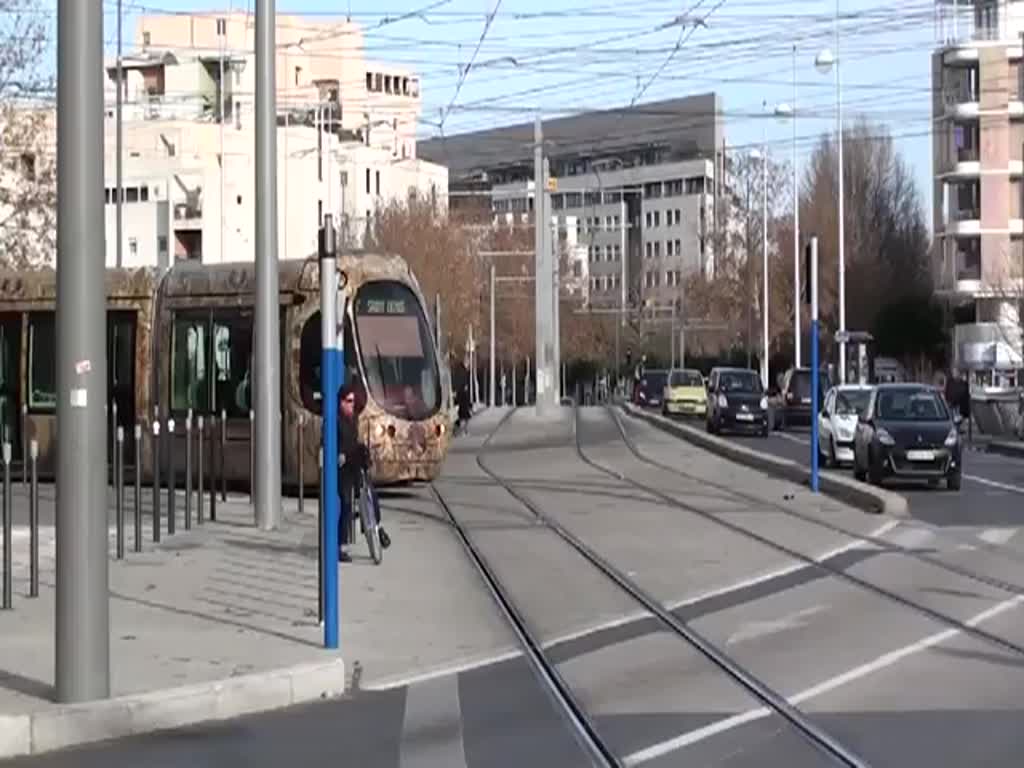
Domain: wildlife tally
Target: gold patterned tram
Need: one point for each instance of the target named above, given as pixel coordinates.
(181, 341)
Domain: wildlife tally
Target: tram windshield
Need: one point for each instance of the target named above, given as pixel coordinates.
(396, 349)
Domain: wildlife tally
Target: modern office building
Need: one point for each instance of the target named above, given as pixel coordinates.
(638, 186)
(978, 146)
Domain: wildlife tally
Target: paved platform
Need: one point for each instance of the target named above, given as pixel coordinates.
(227, 602)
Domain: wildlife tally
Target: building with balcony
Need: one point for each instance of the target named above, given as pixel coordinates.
(978, 146)
(635, 188)
(345, 141)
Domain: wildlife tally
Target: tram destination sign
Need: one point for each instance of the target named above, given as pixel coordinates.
(383, 307)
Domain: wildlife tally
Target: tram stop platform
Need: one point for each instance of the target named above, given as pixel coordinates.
(222, 620)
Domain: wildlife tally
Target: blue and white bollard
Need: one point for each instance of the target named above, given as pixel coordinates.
(815, 394)
(330, 370)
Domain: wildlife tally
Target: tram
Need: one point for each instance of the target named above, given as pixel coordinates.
(181, 342)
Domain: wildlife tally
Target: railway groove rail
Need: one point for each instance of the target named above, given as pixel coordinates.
(582, 725)
(964, 627)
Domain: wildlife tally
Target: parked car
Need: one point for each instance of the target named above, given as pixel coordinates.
(736, 401)
(649, 391)
(837, 422)
(685, 394)
(791, 403)
(906, 430)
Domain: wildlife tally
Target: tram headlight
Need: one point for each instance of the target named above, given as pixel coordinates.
(439, 430)
(380, 430)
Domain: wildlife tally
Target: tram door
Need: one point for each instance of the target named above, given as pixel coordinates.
(121, 378)
(10, 402)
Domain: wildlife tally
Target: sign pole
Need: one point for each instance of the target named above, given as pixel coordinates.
(329, 370)
(815, 394)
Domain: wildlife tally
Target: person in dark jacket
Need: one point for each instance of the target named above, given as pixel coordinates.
(352, 456)
(465, 407)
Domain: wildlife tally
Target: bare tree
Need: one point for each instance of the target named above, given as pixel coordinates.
(28, 177)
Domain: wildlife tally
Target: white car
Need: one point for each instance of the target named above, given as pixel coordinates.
(837, 422)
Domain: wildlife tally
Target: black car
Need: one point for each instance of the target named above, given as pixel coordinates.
(650, 389)
(906, 430)
(791, 403)
(736, 402)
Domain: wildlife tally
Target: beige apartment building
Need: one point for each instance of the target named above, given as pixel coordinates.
(978, 146)
(346, 138)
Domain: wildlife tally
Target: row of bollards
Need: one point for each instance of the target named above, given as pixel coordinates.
(29, 470)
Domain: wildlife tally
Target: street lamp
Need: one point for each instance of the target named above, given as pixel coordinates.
(762, 155)
(788, 111)
(824, 62)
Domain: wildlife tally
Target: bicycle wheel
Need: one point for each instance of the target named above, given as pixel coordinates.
(371, 528)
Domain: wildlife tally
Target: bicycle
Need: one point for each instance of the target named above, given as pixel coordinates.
(369, 516)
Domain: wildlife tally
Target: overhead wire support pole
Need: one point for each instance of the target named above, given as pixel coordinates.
(490, 381)
(842, 227)
(82, 620)
(119, 213)
(268, 349)
(331, 366)
(796, 229)
(542, 296)
(815, 378)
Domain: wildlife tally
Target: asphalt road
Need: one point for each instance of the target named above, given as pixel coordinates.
(991, 497)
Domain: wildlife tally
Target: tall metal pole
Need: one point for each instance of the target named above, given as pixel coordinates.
(268, 339)
(119, 249)
(221, 33)
(623, 244)
(83, 607)
(544, 282)
(490, 383)
(764, 255)
(330, 365)
(842, 228)
(556, 327)
(815, 379)
(796, 230)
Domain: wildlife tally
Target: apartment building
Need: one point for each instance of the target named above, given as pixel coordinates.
(346, 138)
(635, 187)
(978, 146)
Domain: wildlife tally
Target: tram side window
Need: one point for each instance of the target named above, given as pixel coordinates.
(42, 372)
(190, 383)
(232, 363)
(310, 352)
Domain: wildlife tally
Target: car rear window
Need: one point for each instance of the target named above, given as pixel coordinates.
(686, 379)
(800, 384)
(653, 382)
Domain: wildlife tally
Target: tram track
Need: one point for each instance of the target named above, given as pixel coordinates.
(806, 560)
(583, 727)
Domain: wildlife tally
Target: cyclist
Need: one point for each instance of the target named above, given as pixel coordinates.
(353, 457)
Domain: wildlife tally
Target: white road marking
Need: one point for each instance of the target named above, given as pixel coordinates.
(467, 665)
(752, 630)
(881, 662)
(735, 587)
(909, 537)
(432, 727)
(794, 438)
(998, 536)
(994, 484)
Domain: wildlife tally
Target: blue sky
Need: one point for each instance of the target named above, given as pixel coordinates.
(563, 55)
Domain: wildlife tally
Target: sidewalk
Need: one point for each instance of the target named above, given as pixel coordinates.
(221, 620)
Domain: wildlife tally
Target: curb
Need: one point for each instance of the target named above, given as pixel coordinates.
(1006, 448)
(76, 724)
(845, 489)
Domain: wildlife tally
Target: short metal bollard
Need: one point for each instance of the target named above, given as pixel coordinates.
(113, 441)
(320, 538)
(119, 490)
(188, 471)
(213, 469)
(156, 481)
(138, 488)
(302, 474)
(223, 453)
(252, 453)
(33, 521)
(171, 480)
(200, 426)
(24, 444)
(8, 530)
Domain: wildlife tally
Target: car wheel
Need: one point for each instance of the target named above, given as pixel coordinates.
(953, 481)
(858, 473)
(764, 430)
(832, 460)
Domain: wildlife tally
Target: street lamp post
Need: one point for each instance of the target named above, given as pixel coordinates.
(824, 63)
(762, 155)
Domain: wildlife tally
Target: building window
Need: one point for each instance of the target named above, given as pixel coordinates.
(679, 248)
(657, 248)
(367, 181)
(378, 183)
(657, 218)
(647, 250)
(161, 245)
(42, 371)
(133, 246)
